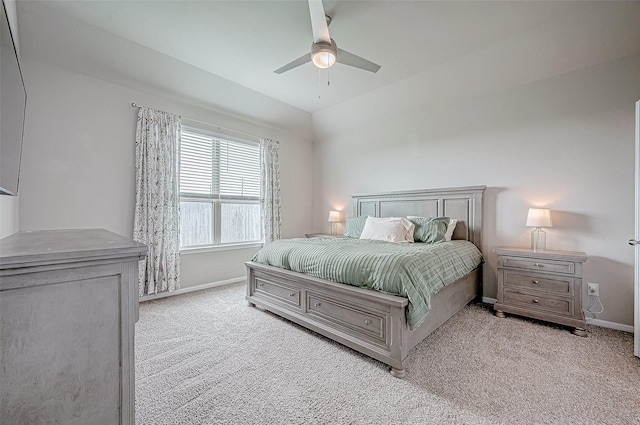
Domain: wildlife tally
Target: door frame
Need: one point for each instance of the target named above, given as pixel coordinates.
(636, 248)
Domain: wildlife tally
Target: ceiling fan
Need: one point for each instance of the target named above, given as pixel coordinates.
(324, 50)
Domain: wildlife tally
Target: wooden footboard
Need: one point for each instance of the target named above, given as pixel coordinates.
(367, 321)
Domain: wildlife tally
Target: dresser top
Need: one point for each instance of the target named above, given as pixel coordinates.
(39, 247)
(544, 254)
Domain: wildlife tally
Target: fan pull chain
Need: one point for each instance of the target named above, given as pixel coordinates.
(319, 87)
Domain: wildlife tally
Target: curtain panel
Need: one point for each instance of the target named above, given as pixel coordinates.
(157, 210)
(270, 189)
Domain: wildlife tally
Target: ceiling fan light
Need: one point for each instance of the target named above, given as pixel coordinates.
(324, 59)
(323, 54)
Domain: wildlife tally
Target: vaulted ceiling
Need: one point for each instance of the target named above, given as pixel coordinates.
(245, 41)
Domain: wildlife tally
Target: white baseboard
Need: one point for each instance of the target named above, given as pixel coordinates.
(192, 289)
(594, 322)
(611, 325)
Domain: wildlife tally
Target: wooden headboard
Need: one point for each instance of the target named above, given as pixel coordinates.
(462, 203)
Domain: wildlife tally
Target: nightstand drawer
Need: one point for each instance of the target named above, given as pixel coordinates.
(539, 282)
(562, 306)
(288, 295)
(567, 267)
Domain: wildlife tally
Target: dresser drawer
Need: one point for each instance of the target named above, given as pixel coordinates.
(562, 306)
(362, 323)
(553, 266)
(283, 293)
(540, 282)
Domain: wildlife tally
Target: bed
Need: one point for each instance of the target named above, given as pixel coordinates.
(371, 322)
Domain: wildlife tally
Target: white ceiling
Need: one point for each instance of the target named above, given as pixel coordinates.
(245, 41)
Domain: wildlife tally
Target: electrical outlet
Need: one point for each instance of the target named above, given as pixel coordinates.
(593, 289)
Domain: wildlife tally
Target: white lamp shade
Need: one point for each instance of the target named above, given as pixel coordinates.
(334, 217)
(539, 217)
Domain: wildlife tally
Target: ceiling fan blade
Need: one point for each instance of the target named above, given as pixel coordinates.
(300, 61)
(318, 22)
(356, 61)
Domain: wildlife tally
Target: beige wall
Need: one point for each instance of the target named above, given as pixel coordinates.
(565, 142)
(78, 160)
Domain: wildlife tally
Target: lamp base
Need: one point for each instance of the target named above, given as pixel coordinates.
(334, 229)
(538, 240)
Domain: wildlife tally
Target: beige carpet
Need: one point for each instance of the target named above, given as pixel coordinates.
(208, 358)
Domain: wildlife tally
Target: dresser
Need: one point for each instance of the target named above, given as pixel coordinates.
(544, 285)
(68, 307)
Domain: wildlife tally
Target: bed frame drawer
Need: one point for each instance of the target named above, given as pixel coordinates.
(366, 324)
(286, 294)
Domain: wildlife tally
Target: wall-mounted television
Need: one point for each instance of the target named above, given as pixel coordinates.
(13, 101)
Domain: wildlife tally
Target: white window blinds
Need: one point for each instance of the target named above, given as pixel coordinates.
(214, 168)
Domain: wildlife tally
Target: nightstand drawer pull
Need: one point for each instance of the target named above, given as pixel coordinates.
(536, 282)
(367, 322)
(538, 265)
(536, 301)
(316, 304)
(293, 294)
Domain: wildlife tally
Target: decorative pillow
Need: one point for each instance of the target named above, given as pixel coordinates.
(390, 229)
(353, 227)
(430, 230)
(450, 229)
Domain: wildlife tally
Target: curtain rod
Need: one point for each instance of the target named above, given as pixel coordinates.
(135, 105)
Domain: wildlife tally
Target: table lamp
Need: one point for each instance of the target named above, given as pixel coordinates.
(334, 219)
(539, 218)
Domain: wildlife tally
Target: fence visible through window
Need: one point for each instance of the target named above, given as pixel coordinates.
(219, 190)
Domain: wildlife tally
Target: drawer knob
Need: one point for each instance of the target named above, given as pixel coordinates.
(293, 294)
(367, 322)
(260, 284)
(538, 265)
(316, 304)
(536, 282)
(536, 301)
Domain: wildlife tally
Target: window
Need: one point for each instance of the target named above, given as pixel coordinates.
(219, 190)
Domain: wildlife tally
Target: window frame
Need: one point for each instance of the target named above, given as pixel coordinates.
(217, 202)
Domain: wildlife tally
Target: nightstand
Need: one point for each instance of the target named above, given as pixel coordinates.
(544, 285)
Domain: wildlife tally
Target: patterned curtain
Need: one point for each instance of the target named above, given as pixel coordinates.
(270, 189)
(157, 221)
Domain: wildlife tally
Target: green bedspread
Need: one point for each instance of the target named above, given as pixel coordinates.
(414, 271)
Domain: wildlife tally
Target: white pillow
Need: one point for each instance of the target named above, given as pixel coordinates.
(390, 229)
(450, 229)
(409, 226)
